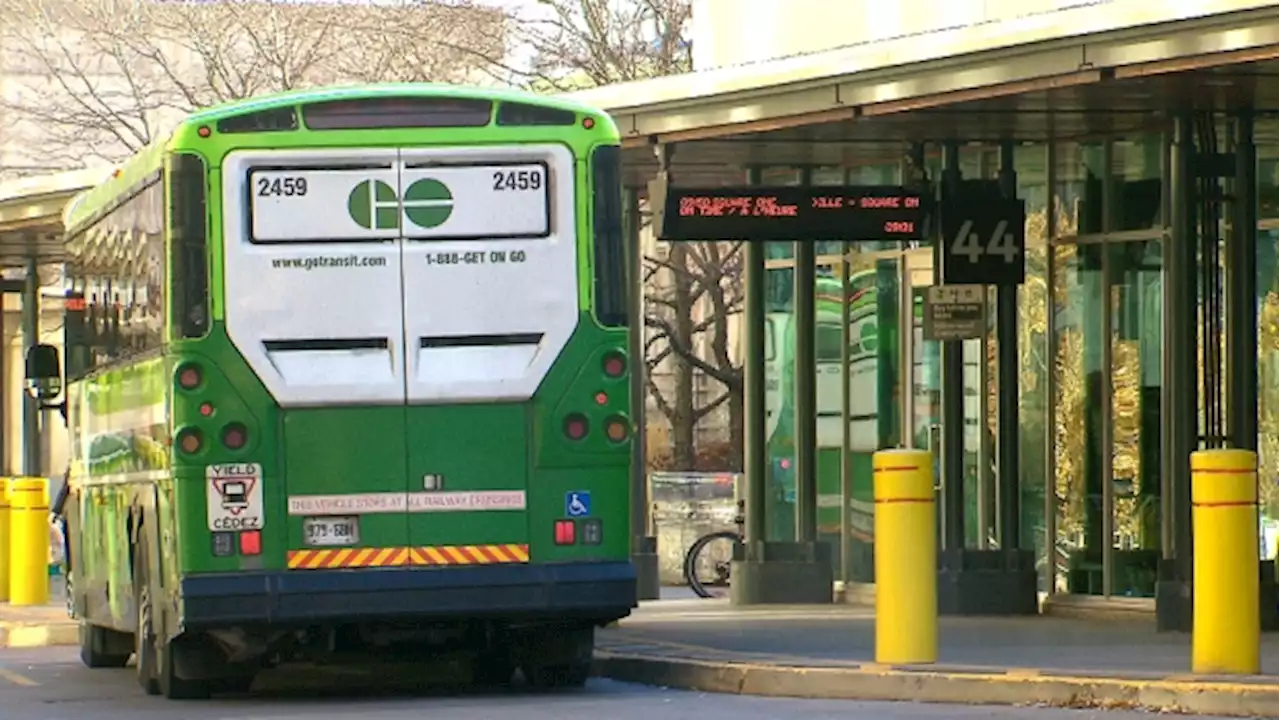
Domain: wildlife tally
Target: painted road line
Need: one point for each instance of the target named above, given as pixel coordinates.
(673, 616)
(15, 678)
(1206, 698)
(25, 635)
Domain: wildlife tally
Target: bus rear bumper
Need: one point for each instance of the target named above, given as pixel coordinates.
(600, 591)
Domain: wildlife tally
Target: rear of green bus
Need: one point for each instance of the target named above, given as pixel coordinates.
(401, 397)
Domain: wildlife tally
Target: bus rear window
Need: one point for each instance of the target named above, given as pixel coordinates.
(607, 239)
(397, 112)
(188, 235)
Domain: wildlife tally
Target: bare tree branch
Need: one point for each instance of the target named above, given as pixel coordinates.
(572, 44)
(95, 80)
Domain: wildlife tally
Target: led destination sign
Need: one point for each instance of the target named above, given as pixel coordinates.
(858, 212)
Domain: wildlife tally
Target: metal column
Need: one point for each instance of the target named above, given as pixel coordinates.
(1178, 380)
(952, 361)
(1007, 472)
(805, 374)
(846, 467)
(1242, 293)
(1051, 385)
(30, 337)
(644, 549)
(753, 396)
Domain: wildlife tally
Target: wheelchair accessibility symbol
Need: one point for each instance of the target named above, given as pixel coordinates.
(577, 503)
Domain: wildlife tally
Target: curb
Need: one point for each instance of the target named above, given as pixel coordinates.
(30, 635)
(1230, 699)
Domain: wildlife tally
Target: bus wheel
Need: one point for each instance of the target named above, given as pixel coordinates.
(492, 669)
(563, 659)
(552, 677)
(144, 643)
(155, 656)
(103, 648)
(172, 686)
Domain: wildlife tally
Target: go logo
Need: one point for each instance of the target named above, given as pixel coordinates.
(373, 204)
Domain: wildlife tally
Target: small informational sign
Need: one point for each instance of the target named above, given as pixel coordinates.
(577, 503)
(955, 312)
(452, 202)
(984, 240)
(233, 497)
(414, 502)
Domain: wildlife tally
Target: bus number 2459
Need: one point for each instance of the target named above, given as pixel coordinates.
(286, 187)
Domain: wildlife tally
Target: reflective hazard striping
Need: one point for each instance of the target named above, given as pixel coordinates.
(470, 554)
(347, 558)
(437, 555)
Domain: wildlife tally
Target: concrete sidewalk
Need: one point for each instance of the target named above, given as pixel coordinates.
(39, 625)
(828, 651)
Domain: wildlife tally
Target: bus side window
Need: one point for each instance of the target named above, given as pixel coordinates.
(610, 246)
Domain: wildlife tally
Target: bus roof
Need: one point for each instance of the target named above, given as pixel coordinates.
(128, 174)
(355, 92)
(149, 159)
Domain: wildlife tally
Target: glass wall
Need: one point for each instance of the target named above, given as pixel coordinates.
(872, 356)
(1090, 352)
(1107, 314)
(1031, 162)
(1268, 339)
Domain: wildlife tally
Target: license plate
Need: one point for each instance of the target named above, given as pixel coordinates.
(327, 531)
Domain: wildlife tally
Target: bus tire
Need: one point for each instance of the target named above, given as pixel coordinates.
(155, 655)
(102, 647)
(493, 670)
(174, 687)
(144, 643)
(564, 660)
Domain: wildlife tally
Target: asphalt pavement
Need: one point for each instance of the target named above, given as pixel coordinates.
(51, 684)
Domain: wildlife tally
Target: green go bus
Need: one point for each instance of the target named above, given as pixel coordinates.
(346, 370)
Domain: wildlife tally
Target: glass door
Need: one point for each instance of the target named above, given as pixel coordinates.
(922, 404)
(1133, 328)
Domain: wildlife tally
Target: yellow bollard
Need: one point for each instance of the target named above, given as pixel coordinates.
(4, 539)
(1225, 627)
(29, 535)
(906, 557)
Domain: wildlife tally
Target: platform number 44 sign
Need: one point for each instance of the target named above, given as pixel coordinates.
(984, 242)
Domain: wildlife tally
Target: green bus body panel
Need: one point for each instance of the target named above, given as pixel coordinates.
(339, 451)
(496, 439)
(119, 456)
(336, 450)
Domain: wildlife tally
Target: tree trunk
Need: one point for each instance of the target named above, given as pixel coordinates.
(737, 459)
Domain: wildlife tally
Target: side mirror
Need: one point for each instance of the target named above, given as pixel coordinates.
(44, 372)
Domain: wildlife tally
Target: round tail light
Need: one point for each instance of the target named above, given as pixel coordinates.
(575, 426)
(189, 377)
(190, 440)
(616, 429)
(614, 365)
(234, 436)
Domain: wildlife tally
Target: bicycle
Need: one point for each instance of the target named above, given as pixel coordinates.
(719, 566)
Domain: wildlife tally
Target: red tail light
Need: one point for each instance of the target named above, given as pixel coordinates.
(575, 426)
(190, 440)
(614, 365)
(616, 429)
(234, 436)
(251, 542)
(189, 376)
(565, 532)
